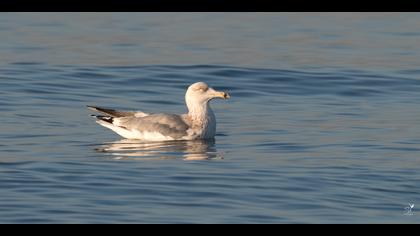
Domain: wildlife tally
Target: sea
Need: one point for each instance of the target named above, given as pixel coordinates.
(323, 124)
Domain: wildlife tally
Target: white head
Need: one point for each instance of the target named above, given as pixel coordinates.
(199, 94)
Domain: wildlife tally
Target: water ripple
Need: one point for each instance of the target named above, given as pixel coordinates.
(292, 145)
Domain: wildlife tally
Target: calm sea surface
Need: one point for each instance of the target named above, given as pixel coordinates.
(323, 125)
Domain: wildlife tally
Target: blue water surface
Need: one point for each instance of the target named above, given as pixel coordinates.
(322, 127)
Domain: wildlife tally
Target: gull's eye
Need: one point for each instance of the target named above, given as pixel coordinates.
(204, 89)
(200, 87)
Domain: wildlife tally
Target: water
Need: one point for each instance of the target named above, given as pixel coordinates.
(322, 127)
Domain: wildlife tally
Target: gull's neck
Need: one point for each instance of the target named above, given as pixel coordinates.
(200, 114)
(201, 118)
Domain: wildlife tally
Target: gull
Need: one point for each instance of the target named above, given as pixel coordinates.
(198, 123)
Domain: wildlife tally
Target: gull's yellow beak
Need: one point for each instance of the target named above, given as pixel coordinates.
(223, 95)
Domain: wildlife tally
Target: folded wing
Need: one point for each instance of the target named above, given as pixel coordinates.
(168, 125)
(140, 125)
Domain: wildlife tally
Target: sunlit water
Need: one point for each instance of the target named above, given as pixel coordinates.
(322, 127)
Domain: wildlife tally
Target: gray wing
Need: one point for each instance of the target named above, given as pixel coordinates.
(171, 125)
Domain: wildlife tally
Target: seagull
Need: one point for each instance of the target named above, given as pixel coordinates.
(198, 123)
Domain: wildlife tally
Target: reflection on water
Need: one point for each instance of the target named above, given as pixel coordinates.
(139, 150)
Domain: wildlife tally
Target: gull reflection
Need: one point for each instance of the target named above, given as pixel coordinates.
(139, 150)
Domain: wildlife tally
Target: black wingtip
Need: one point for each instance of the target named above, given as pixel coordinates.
(108, 119)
